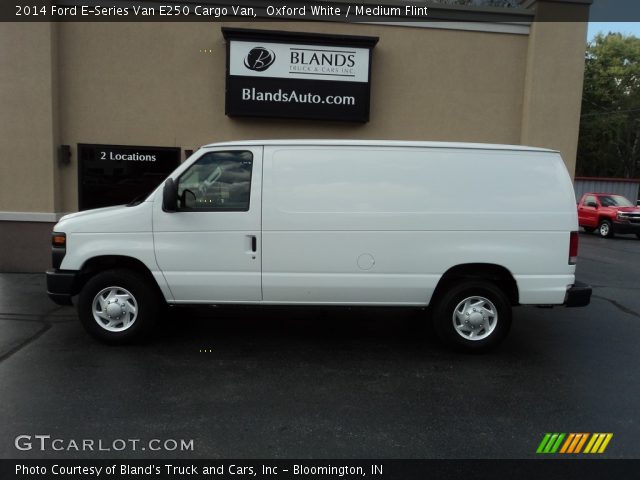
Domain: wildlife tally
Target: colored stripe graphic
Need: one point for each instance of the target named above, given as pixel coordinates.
(573, 443)
(550, 443)
(567, 443)
(598, 442)
(577, 438)
(604, 445)
(543, 443)
(583, 439)
(555, 447)
(591, 442)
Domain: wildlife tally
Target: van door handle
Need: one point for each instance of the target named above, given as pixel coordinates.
(254, 243)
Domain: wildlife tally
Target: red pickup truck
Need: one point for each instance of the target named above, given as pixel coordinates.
(609, 214)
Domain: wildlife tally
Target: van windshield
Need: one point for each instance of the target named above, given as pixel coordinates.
(614, 201)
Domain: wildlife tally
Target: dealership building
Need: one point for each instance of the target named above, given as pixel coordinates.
(96, 113)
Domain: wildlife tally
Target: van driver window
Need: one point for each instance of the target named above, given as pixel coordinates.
(218, 181)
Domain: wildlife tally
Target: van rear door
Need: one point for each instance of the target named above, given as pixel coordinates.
(209, 249)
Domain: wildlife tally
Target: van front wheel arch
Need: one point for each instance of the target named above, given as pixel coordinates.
(472, 315)
(118, 306)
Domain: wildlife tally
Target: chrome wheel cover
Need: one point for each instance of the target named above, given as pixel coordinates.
(475, 318)
(114, 309)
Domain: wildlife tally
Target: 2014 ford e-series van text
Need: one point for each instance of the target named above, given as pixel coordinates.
(468, 229)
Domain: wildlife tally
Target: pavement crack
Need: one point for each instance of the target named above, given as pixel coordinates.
(619, 306)
(30, 318)
(8, 317)
(50, 312)
(45, 326)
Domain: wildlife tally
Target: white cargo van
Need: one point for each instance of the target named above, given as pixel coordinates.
(468, 229)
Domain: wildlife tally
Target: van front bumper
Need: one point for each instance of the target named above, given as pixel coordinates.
(62, 285)
(578, 295)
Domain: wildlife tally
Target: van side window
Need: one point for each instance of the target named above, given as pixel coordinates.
(217, 181)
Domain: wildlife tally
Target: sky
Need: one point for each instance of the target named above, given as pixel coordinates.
(628, 28)
(614, 10)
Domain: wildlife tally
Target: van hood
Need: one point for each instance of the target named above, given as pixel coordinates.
(93, 211)
(118, 219)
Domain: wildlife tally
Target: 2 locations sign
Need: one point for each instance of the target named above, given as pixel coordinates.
(116, 174)
(298, 75)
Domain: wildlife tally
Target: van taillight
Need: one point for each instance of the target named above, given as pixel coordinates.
(573, 248)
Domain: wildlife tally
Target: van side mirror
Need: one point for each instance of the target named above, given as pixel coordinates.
(170, 196)
(188, 198)
(592, 204)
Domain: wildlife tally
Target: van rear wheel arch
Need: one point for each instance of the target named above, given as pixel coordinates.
(500, 276)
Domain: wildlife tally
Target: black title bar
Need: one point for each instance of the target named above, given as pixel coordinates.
(335, 469)
(387, 11)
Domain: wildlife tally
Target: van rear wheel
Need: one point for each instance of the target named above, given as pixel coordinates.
(474, 316)
(118, 306)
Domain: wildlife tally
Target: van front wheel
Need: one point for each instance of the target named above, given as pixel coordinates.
(118, 306)
(472, 315)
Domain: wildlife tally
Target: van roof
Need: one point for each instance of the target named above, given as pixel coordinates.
(379, 143)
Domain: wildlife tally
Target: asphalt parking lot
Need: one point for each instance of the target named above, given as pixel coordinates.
(323, 383)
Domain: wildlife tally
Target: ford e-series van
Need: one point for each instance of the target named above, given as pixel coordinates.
(468, 229)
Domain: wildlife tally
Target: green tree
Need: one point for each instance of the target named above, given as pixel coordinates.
(609, 142)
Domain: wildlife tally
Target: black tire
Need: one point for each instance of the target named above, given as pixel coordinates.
(145, 299)
(445, 308)
(638, 236)
(588, 229)
(605, 228)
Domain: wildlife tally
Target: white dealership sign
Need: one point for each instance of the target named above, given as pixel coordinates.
(310, 62)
